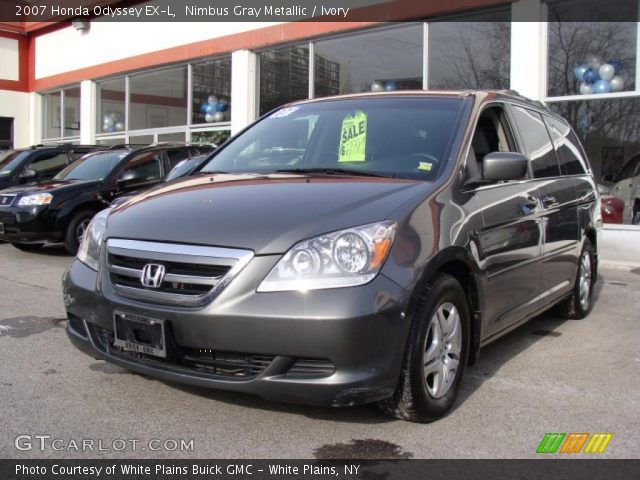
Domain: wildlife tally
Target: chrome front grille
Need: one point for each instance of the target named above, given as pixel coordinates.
(194, 275)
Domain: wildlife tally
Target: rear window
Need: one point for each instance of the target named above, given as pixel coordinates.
(406, 137)
(11, 160)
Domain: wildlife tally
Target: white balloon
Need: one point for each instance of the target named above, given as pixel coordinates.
(212, 99)
(119, 126)
(209, 117)
(218, 117)
(108, 121)
(606, 71)
(617, 84)
(585, 88)
(377, 87)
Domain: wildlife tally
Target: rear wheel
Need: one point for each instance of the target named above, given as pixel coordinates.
(76, 230)
(27, 247)
(579, 304)
(436, 354)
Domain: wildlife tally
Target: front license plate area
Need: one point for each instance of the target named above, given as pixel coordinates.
(140, 334)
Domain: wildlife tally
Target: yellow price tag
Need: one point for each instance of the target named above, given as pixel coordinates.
(353, 138)
(425, 166)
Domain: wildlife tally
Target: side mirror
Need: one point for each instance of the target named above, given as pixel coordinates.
(497, 166)
(28, 174)
(128, 177)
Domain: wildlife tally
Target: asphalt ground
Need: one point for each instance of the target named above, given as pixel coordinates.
(550, 375)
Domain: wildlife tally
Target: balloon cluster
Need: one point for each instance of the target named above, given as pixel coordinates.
(214, 109)
(596, 76)
(113, 122)
(384, 87)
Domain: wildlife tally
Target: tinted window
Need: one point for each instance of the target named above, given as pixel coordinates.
(146, 166)
(536, 142)
(567, 146)
(48, 164)
(10, 160)
(92, 167)
(406, 137)
(177, 155)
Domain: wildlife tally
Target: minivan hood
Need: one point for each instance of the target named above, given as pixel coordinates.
(263, 213)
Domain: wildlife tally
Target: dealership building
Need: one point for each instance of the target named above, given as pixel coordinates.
(92, 81)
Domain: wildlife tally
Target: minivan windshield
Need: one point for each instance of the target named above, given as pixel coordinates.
(10, 160)
(400, 136)
(95, 166)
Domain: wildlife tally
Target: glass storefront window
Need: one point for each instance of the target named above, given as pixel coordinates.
(211, 91)
(111, 105)
(71, 107)
(214, 137)
(158, 99)
(387, 59)
(474, 52)
(590, 57)
(51, 114)
(284, 76)
(609, 130)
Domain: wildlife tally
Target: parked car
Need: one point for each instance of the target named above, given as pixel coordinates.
(627, 187)
(60, 210)
(39, 162)
(346, 250)
(182, 169)
(611, 207)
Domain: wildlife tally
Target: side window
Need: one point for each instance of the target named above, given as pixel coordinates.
(176, 156)
(537, 143)
(491, 135)
(146, 166)
(47, 165)
(567, 146)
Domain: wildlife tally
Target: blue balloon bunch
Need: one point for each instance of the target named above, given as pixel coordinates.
(596, 76)
(214, 109)
(389, 86)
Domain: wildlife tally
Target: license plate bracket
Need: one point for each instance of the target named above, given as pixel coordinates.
(140, 334)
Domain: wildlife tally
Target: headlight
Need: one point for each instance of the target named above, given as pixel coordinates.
(346, 258)
(35, 199)
(89, 251)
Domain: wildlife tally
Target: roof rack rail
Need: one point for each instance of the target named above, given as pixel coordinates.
(126, 145)
(177, 143)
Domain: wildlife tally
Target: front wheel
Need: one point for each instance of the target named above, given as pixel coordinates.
(579, 304)
(436, 354)
(76, 230)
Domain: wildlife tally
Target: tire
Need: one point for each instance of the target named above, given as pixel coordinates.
(424, 393)
(27, 247)
(580, 303)
(75, 230)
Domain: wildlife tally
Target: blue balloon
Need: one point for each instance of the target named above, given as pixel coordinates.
(203, 107)
(224, 105)
(219, 107)
(390, 86)
(616, 64)
(210, 108)
(591, 76)
(579, 72)
(602, 86)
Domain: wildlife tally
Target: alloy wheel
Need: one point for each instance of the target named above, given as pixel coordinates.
(585, 280)
(443, 345)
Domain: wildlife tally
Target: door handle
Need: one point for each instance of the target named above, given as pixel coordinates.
(549, 201)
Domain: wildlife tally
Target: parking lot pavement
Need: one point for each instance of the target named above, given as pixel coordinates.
(550, 375)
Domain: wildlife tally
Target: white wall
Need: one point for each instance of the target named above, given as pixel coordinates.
(10, 64)
(69, 49)
(16, 105)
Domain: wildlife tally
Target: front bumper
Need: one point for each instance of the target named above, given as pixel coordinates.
(360, 331)
(28, 224)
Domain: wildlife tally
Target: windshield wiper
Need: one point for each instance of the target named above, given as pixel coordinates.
(335, 171)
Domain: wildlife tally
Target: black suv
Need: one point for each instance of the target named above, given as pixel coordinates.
(61, 209)
(346, 250)
(39, 162)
